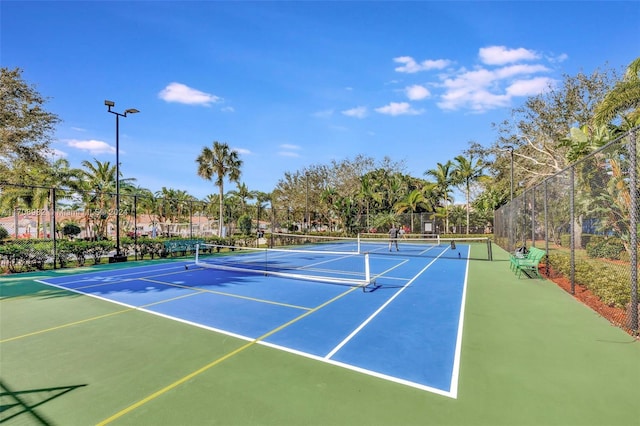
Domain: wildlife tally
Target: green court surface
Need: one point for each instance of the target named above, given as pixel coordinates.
(531, 355)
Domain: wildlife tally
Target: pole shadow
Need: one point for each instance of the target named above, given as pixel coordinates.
(13, 403)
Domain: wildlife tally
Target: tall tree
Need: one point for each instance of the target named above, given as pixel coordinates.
(243, 195)
(220, 162)
(412, 202)
(623, 100)
(467, 171)
(27, 128)
(444, 181)
(538, 127)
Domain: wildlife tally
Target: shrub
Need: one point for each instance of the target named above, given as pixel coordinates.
(64, 252)
(12, 255)
(605, 248)
(79, 249)
(25, 256)
(71, 230)
(244, 223)
(4, 234)
(98, 249)
(602, 279)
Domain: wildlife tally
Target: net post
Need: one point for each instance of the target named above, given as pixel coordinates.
(358, 248)
(367, 270)
(197, 252)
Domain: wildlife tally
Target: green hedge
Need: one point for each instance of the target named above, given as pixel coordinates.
(608, 282)
(35, 254)
(605, 248)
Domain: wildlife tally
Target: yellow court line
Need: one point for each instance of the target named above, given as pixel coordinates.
(253, 299)
(218, 361)
(70, 324)
(66, 325)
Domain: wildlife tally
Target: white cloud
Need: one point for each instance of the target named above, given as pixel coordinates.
(358, 112)
(180, 93)
(558, 58)
(499, 74)
(289, 150)
(92, 146)
(323, 114)
(411, 66)
(228, 109)
(241, 151)
(417, 92)
(478, 100)
(500, 55)
(290, 147)
(483, 89)
(288, 154)
(398, 108)
(531, 87)
(55, 154)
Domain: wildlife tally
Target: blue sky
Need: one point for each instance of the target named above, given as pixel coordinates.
(294, 84)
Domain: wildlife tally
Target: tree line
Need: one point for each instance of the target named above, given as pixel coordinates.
(542, 136)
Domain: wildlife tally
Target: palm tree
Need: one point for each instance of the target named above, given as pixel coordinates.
(96, 184)
(368, 193)
(466, 172)
(243, 194)
(221, 162)
(261, 198)
(444, 180)
(623, 100)
(412, 202)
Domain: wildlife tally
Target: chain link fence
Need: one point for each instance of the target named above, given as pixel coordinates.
(586, 219)
(42, 227)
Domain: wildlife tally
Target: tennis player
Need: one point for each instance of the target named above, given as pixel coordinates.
(393, 237)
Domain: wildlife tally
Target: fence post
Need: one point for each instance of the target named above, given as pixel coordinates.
(135, 226)
(546, 226)
(572, 225)
(52, 194)
(633, 229)
(533, 217)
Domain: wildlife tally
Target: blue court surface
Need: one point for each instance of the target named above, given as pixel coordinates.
(406, 328)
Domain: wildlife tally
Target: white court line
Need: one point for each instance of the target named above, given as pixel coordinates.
(114, 277)
(357, 369)
(453, 387)
(454, 379)
(380, 309)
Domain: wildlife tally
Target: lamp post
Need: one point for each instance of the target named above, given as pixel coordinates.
(306, 204)
(119, 257)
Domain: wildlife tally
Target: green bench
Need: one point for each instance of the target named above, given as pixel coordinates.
(528, 263)
(180, 246)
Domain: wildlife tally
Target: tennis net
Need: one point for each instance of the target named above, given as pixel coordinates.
(474, 248)
(327, 266)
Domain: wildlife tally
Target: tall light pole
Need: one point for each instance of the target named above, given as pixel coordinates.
(306, 206)
(119, 257)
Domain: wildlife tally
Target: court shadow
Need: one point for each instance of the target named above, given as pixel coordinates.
(32, 289)
(14, 404)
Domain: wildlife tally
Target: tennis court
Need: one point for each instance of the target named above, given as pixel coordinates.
(352, 341)
(331, 318)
